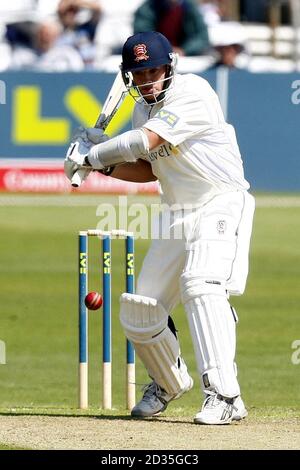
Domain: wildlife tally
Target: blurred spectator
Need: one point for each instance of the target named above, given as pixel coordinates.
(44, 54)
(51, 46)
(46, 36)
(19, 20)
(179, 20)
(79, 19)
(228, 39)
(21, 33)
(50, 56)
(17, 28)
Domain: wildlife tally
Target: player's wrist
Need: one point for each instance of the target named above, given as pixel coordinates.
(107, 171)
(94, 157)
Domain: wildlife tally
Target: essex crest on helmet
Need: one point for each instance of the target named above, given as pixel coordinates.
(140, 52)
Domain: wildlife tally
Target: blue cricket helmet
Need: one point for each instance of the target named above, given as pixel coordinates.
(146, 50)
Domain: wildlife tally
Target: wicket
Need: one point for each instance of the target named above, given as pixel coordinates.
(106, 238)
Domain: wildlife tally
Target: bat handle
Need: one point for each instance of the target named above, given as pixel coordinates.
(100, 123)
(79, 176)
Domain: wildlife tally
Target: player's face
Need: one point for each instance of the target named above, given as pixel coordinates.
(150, 81)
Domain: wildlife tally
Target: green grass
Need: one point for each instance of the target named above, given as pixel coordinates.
(38, 313)
(11, 447)
(269, 311)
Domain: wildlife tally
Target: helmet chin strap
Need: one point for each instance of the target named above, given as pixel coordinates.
(168, 80)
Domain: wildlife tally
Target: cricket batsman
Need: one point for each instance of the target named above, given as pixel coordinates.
(180, 138)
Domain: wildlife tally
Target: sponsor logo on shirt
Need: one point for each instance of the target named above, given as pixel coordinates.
(163, 151)
(170, 118)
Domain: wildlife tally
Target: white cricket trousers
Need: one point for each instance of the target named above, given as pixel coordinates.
(212, 240)
(201, 259)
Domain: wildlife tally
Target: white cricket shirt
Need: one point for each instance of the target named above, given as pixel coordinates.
(200, 157)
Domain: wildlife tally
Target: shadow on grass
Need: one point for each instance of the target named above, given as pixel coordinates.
(264, 414)
(92, 414)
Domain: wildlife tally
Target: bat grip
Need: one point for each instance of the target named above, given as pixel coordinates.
(79, 176)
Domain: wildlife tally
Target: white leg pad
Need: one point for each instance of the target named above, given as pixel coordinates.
(212, 327)
(145, 322)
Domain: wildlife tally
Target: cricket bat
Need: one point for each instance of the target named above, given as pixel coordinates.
(112, 103)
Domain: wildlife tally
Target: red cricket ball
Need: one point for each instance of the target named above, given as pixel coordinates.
(93, 300)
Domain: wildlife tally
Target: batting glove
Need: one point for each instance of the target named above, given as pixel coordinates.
(83, 140)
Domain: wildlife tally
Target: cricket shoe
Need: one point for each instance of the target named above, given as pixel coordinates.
(217, 409)
(155, 400)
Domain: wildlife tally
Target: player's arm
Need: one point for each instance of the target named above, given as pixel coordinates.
(139, 172)
(154, 139)
(128, 147)
(125, 149)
